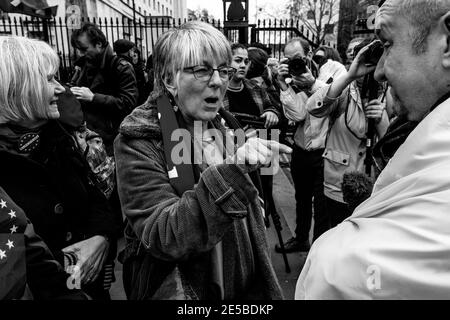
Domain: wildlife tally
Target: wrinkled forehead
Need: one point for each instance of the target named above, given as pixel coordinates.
(385, 15)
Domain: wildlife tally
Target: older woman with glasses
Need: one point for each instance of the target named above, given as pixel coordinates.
(195, 227)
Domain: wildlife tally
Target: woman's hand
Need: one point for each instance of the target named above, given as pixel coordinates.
(358, 67)
(91, 254)
(82, 93)
(271, 119)
(374, 110)
(256, 153)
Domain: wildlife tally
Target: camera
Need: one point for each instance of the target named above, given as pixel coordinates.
(373, 53)
(250, 120)
(297, 66)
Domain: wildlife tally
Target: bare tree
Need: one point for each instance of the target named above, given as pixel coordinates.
(199, 14)
(315, 15)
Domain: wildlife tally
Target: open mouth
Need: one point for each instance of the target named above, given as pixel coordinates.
(212, 100)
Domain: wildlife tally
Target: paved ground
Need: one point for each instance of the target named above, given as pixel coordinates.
(285, 202)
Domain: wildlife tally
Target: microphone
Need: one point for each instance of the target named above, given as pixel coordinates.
(356, 188)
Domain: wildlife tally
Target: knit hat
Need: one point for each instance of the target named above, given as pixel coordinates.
(122, 46)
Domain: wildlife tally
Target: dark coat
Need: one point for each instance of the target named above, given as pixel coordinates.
(53, 186)
(139, 71)
(115, 90)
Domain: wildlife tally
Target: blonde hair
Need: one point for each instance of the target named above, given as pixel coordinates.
(25, 65)
(187, 46)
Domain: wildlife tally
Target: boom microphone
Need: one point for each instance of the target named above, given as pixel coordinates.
(356, 188)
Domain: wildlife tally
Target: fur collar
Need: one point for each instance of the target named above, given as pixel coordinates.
(143, 122)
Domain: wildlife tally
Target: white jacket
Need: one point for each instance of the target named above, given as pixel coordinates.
(396, 245)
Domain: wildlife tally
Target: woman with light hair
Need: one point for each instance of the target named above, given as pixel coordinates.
(42, 169)
(195, 231)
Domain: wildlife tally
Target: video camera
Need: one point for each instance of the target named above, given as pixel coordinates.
(373, 53)
(250, 120)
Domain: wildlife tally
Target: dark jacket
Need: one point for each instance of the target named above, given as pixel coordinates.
(139, 71)
(115, 90)
(261, 98)
(167, 230)
(55, 188)
(27, 260)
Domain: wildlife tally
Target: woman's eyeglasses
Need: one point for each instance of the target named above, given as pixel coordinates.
(204, 73)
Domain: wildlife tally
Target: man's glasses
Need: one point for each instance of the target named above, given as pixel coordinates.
(204, 73)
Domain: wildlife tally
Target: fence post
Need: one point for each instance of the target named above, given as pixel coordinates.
(253, 35)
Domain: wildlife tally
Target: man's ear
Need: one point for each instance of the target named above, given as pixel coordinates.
(445, 27)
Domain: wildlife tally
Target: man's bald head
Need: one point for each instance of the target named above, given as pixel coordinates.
(297, 46)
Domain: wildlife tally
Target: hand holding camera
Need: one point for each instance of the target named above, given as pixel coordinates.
(367, 57)
(295, 68)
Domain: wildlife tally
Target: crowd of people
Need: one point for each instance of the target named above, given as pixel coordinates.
(95, 160)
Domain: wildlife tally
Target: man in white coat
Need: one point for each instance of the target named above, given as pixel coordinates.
(396, 245)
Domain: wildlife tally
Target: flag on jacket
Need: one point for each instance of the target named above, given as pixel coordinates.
(12, 249)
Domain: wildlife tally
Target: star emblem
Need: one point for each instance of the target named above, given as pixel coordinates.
(10, 244)
(3, 203)
(12, 214)
(2, 254)
(13, 229)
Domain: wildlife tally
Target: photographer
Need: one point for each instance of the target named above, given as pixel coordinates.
(396, 244)
(307, 162)
(345, 149)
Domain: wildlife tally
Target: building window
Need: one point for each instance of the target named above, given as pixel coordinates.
(139, 9)
(162, 11)
(159, 7)
(145, 12)
(167, 11)
(171, 14)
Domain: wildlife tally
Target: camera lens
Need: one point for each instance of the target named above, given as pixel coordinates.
(297, 66)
